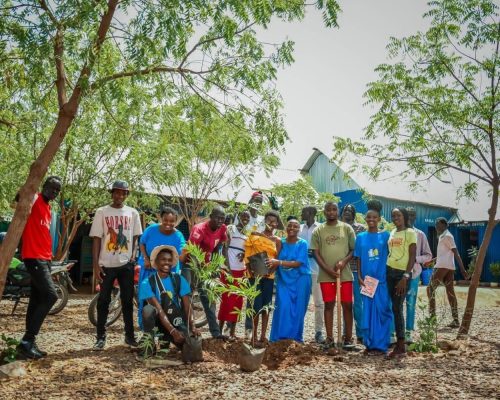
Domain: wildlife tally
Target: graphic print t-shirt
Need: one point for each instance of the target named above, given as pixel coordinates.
(116, 227)
(399, 248)
(37, 242)
(334, 243)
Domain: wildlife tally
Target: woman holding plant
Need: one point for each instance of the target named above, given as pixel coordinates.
(293, 285)
(262, 245)
(371, 251)
(234, 252)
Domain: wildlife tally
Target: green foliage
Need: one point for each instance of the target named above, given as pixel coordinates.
(293, 196)
(427, 326)
(206, 273)
(437, 103)
(177, 92)
(9, 351)
(495, 269)
(472, 253)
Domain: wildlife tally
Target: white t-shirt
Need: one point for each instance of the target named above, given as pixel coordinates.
(235, 248)
(445, 257)
(116, 227)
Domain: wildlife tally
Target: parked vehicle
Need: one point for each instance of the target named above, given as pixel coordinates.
(115, 307)
(18, 285)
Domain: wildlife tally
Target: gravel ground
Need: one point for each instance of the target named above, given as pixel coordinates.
(290, 371)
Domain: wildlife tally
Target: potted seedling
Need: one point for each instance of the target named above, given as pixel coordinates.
(250, 358)
(207, 274)
(495, 271)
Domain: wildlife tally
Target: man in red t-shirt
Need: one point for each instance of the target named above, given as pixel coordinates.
(209, 236)
(37, 253)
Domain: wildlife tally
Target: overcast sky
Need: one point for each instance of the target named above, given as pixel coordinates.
(323, 89)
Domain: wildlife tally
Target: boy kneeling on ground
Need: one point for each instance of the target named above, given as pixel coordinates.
(167, 295)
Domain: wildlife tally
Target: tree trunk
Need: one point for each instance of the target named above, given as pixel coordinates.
(478, 268)
(37, 171)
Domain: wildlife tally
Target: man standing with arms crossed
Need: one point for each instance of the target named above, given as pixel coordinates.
(115, 230)
(36, 252)
(306, 231)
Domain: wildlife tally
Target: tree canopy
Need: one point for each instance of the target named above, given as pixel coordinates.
(437, 108)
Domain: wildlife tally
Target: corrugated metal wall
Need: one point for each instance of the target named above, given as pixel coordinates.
(472, 233)
(327, 178)
(426, 213)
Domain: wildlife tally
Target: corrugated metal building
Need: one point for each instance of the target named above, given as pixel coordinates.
(328, 177)
(468, 234)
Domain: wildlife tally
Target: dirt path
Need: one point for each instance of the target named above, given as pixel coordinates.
(291, 370)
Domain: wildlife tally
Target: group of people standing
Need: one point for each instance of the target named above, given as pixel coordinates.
(377, 270)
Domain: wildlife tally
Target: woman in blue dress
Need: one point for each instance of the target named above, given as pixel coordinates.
(372, 251)
(163, 233)
(293, 286)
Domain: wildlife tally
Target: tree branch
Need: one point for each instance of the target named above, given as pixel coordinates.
(60, 70)
(49, 12)
(213, 39)
(145, 71)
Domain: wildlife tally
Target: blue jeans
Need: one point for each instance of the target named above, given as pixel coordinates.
(358, 305)
(411, 303)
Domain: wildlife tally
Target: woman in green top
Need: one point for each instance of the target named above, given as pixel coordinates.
(402, 250)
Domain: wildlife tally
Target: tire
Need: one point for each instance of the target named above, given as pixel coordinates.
(200, 319)
(62, 299)
(115, 308)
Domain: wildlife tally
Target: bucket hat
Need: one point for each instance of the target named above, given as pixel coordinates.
(157, 249)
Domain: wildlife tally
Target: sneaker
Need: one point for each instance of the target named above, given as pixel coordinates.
(248, 334)
(131, 342)
(319, 338)
(328, 343)
(408, 337)
(348, 344)
(27, 349)
(43, 353)
(100, 344)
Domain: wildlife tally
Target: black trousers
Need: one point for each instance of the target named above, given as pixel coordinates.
(125, 277)
(150, 321)
(393, 278)
(43, 296)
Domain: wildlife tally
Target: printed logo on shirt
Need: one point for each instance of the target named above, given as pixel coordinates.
(330, 240)
(396, 242)
(116, 240)
(373, 254)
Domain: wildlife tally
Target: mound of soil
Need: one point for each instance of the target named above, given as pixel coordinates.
(279, 355)
(287, 353)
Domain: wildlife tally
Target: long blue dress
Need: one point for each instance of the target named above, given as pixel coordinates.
(293, 289)
(151, 238)
(372, 250)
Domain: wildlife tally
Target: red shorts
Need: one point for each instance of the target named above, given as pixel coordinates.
(329, 291)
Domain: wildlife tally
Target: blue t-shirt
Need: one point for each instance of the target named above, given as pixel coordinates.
(152, 237)
(372, 250)
(146, 291)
